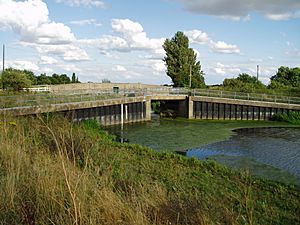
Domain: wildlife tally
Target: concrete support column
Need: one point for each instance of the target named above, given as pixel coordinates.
(122, 114)
(148, 110)
(126, 112)
(190, 108)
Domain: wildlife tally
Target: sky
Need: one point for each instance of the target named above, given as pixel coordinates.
(121, 40)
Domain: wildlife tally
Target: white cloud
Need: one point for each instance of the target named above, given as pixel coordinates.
(275, 9)
(46, 70)
(70, 67)
(23, 17)
(135, 36)
(227, 70)
(86, 3)
(51, 33)
(30, 20)
(222, 47)
(68, 52)
(281, 16)
(158, 67)
(107, 43)
(197, 36)
(86, 22)
(23, 65)
(131, 38)
(119, 68)
(47, 60)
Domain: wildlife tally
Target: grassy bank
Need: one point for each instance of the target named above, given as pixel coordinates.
(292, 117)
(59, 173)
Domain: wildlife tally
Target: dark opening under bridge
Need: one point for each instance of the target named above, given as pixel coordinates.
(134, 106)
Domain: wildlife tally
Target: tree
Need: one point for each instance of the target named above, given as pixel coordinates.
(64, 79)
(246, 78)
(30, 75)
(181, 61)
(73, 78)
(243, 83)
(43, 79)
(286, 76)
(106, 81)
(15, 79)
(55, 79)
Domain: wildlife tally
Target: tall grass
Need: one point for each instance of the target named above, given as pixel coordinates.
(56, 172)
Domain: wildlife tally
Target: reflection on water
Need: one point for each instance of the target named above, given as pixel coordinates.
(279, 147)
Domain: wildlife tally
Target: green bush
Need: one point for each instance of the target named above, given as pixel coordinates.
(292, 117)
(15, 80)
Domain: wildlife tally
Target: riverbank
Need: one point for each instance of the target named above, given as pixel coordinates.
(63, 173)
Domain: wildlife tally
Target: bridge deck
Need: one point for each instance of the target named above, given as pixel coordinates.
(34, 104)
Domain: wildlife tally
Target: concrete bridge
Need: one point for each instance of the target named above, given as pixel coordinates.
(127, 106)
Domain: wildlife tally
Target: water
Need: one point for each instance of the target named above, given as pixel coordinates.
(273, 153)
(278, 147)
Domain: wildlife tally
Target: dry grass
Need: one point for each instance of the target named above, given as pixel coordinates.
(62, 173)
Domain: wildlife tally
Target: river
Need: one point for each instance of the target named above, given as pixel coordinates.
(264, 148)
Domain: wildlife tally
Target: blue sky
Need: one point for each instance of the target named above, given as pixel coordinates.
(122, 40)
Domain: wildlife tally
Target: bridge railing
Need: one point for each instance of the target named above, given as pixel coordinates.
(226, 94)
(48, 98)
(246, 96)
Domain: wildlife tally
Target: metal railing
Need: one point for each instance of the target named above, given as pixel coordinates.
(37, 99)
(228, 94)
(247, 96)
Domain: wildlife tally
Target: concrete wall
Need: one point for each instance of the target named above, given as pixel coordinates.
(226, 111)
(90, 87)
(113, 114)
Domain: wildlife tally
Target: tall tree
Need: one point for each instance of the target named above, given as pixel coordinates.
(181, 62)
(73, 78)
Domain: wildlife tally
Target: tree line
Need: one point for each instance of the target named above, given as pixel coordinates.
(285, 81)
(185, 71)
(14, 79)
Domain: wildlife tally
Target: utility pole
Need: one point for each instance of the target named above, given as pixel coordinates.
(3, 57)
(257, 72)
(190, 76)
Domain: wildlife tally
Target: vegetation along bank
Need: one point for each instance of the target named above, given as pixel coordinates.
(65, 173)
